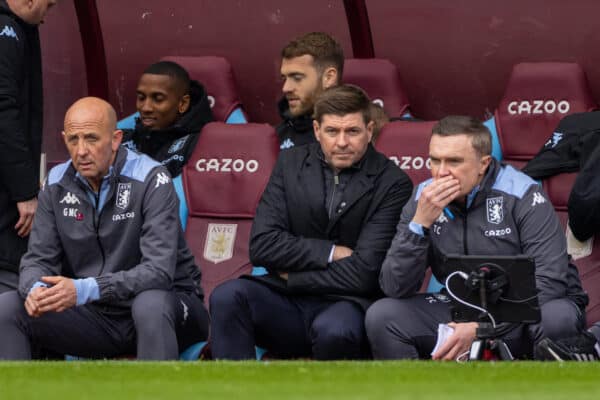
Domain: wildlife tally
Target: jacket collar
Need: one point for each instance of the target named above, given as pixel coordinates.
(119, 161)
(490, 176)
(311, 177)
(301, 124)
(487, 183)
(370, 163)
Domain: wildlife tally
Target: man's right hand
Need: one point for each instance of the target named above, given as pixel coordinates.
(26, 212)
(434, 197)
(341, 252)
(32, 305)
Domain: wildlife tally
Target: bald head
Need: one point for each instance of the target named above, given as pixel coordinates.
(92, 138)
(91, 110)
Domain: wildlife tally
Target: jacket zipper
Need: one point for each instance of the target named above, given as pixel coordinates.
(336, 182)
(465, 247)
(97, 227)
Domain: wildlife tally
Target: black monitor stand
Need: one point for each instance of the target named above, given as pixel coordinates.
(488, 345)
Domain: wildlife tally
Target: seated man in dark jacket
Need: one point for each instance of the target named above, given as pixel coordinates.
(107, 271)
(173, 109)
(321, 229)
(472, 205)
(310, 64)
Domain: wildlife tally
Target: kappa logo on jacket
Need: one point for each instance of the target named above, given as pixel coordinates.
(287, 144)
(556, 137)
(70, 199)
(495, 213)
(161, 179)
(8, 31)
(537, 199)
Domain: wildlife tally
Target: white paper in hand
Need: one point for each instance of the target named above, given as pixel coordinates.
(444, 331)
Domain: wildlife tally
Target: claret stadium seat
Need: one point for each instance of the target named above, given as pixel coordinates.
(216, 74)
(223, 183)
(407, 144)
(380, 79)
(558, 189)
(537, 96)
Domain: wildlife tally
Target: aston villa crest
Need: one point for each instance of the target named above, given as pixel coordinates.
(219, 242)
(123, 195)
(495, 211)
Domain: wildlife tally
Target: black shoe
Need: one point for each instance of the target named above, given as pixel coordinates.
(582, 347)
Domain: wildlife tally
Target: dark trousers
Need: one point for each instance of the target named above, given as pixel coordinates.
(12, 246)
(8, 281)
(407, 328)
(160, 325)
(245, 313)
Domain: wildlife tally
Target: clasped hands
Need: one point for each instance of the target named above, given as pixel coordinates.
(58, 296)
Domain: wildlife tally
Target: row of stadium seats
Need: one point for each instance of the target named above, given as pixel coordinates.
(536, 97)
(379, 77)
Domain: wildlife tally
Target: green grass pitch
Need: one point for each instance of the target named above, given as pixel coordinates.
(298, 380)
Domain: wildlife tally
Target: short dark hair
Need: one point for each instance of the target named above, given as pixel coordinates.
(324, 49)
(481, 139)
(175, 71)
(342, 100)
